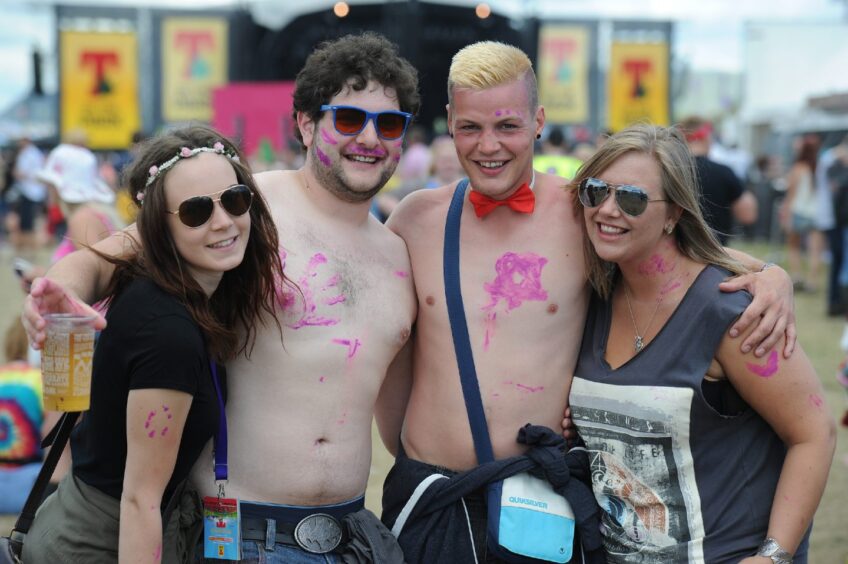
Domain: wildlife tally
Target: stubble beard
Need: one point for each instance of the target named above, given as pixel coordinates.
(334, 180)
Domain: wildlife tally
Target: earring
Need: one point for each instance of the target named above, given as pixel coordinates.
(669, 229)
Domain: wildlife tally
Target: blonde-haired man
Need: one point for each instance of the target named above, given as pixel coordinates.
(525, 292)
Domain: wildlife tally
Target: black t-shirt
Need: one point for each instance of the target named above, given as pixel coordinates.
(151, 341)
(720, 187)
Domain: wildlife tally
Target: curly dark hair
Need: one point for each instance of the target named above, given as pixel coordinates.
(353, 59)
(244, 293)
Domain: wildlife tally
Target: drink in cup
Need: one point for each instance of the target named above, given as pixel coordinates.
(66, 362)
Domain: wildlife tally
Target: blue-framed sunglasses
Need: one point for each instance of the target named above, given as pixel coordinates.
(350, 120)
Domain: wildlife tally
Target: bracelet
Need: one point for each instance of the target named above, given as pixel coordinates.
(767, 265)
(770, 548)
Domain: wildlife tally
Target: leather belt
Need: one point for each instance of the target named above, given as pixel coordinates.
(318, 533)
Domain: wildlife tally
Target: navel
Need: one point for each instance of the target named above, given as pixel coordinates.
(553, 308)
(430, 300)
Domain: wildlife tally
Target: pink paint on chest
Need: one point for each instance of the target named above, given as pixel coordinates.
(322, 156)
(518, 279)
(656, 265)
(816, 401)
(352, 346)
(529, 389)
(401, 274)
(669, 287)
(766, 370)
(309, 316)
(322, 378)
(328, 139)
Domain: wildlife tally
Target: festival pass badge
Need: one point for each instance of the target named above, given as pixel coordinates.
(221, 530)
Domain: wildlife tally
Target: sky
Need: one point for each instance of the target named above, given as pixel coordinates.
(708, 33)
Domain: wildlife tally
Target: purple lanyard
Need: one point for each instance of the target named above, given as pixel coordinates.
(221, 436)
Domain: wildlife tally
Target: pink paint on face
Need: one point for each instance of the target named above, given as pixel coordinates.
(816, 400)
(656, 265)
(376, 152)
(322, 156)
(399, 144)
(352, 346)
(165, 408)
(328, 139)
(518, 279)
(310, 317)
(401, 274)
(766, 370)
(396, 158)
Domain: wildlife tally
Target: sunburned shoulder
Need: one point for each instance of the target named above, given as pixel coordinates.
(274, 179)
(420, 207)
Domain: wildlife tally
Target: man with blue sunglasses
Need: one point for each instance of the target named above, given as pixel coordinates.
(299, 415)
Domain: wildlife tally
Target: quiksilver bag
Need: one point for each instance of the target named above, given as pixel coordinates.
(528, 521)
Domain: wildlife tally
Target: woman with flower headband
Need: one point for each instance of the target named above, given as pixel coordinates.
(698, 452)
(188, 301)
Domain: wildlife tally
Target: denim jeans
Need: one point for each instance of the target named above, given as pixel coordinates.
(255, 552)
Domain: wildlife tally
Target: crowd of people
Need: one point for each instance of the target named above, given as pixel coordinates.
(255, 324)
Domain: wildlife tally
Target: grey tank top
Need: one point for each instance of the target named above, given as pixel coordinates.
(677, 481)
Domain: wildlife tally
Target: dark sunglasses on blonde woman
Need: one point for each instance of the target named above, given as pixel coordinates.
(632, 200)
(196, 211)
(350, 120)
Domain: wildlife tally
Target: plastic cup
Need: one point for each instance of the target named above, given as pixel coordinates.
(66, 362)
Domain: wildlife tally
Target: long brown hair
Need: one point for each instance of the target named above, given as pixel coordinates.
(668, 148)
(244, 292)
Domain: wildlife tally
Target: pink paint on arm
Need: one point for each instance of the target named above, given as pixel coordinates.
(164, 432)
(328, 139)
(322, 378)
(157, 555)
(766, 370)
(816, 400)
(401, 274)
(152, 433)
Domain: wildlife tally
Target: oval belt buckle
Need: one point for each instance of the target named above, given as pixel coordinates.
(318, 533)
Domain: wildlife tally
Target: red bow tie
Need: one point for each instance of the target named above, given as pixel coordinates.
(522, 200)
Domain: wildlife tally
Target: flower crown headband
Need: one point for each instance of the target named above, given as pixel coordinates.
(185, 153)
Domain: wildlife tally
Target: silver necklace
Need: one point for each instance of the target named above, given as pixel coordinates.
(638, 341)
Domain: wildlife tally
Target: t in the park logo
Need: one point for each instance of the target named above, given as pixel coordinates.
(195, 43)
(637, 69)
(99, 61)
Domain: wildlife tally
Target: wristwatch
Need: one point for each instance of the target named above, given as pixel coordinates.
(770, 548)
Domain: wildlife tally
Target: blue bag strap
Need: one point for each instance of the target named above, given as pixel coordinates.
(459, 330)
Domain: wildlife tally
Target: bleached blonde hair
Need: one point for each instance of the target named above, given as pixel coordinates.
(487, 64)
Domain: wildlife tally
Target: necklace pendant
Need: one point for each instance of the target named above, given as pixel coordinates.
(637, 343)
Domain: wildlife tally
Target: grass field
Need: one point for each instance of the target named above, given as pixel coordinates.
(819, 336)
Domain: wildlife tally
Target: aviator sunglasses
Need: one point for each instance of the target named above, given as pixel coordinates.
(350, 120)
(196, 211)
(632, 200)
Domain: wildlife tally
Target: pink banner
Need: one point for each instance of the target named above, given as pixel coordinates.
(254, 112)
